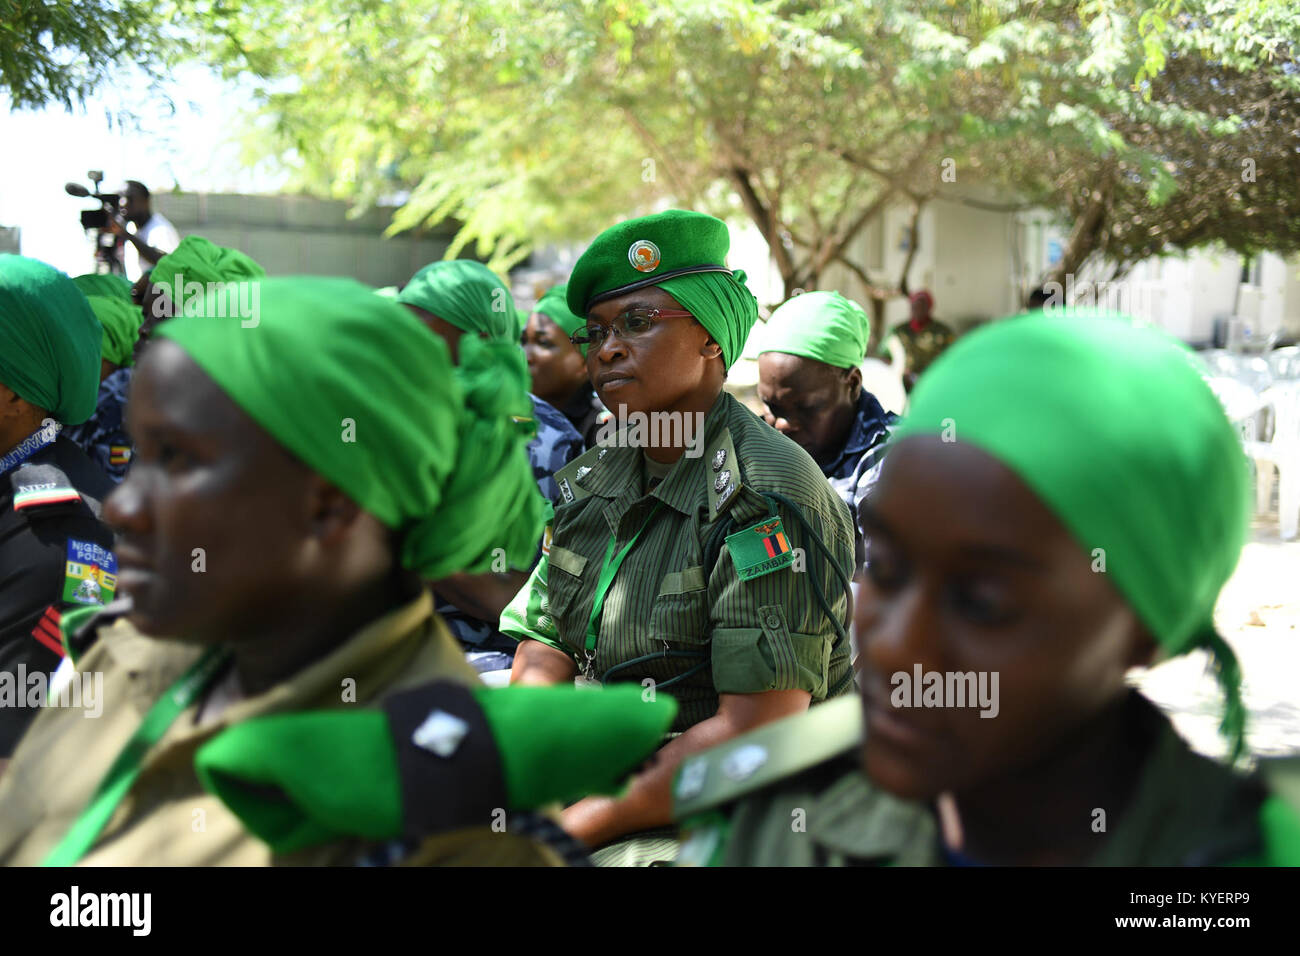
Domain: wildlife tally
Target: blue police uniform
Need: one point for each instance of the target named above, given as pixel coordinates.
(103, 436)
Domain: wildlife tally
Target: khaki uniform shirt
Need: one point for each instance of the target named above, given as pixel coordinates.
(677, 606)
(167, 818)
(793, 794)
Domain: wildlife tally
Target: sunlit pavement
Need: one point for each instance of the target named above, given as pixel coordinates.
(1258, 614)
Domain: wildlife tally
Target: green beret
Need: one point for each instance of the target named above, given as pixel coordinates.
(646, 251)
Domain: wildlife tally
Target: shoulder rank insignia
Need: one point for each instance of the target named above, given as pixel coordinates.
(760, 549)
(567, 478)
(36, 485)
(723, 483)
(762, 757)
(91, 576)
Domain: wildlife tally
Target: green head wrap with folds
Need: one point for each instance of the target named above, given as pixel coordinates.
(359, 390)
(467, 294)
(1109, 423)
(823, 326)
(121, 323)
(49, 340)
(684, 253)
(103, 284)
(199, 260)
(554, 306)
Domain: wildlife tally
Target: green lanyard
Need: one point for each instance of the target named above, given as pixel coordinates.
(604, 582)
(126, 768)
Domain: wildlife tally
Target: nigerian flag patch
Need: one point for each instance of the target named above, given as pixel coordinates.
(760, 549)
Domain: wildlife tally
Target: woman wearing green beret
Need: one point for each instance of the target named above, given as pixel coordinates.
(696, 553)
(293, 483)
(557, 366)
(1063, 503)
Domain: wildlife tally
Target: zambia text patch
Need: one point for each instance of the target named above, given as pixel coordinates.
(760, 549)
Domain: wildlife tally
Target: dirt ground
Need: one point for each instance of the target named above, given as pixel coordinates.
(1258, 614)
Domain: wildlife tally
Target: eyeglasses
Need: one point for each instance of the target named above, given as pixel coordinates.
(627, 325)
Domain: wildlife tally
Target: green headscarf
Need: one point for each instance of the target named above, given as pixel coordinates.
(358, 389)
(49, 340)
(467, 294)
(554, 306)
(1111, 425)
(103, 284)
(121, 323)
(823, 326)
(200, 260)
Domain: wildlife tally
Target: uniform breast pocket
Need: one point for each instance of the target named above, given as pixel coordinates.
(681, 610)
(564, 585)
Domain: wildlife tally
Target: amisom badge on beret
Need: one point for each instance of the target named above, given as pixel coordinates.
(644, 255)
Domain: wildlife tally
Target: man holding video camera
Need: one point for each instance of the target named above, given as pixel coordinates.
(154, 235)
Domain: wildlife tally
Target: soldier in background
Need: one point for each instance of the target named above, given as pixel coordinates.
(922, 337)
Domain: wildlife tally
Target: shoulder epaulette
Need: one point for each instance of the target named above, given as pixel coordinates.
(567, 477)
(38, 486)
(761, 757)
(723, 475)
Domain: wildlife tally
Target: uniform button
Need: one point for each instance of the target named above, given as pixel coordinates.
(772, 620)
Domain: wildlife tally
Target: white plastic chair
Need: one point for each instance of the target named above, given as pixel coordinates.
(1282, 453)
(1285, 363)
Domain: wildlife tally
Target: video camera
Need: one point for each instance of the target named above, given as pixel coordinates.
(107, 245)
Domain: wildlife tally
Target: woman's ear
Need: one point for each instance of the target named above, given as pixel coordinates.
(711, 349)
(332, 512)
(1144, 650)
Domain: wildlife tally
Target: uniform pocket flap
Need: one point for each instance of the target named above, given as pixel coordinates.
(679, 582)
(567, 561)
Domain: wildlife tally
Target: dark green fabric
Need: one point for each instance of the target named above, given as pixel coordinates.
(103, 284)
(823, 326)
(49, 340)
(648, 250)
(298, 780)
(1109, 422)
(200, 260)
(555, 306)
(121, 323)
(467, 294)
(358, 389)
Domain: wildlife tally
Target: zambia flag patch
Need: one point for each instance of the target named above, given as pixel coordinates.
(760, 549)
(91, 576)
